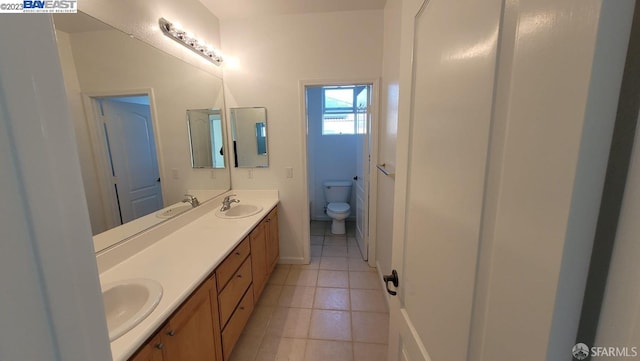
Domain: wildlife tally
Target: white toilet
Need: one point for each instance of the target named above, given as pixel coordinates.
(337, 194)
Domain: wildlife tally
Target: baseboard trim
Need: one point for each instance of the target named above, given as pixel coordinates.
(291, 260)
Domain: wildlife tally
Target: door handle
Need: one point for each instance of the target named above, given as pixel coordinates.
(355, 178)
(393, 277)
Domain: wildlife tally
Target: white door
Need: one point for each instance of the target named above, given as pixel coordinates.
(440, 184)
(132, 149)
(363, 123)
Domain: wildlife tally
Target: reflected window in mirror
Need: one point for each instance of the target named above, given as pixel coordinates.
(250, 140)
(206, 137)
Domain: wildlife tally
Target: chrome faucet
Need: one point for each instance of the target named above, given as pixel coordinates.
(226, 203)
(191, 200)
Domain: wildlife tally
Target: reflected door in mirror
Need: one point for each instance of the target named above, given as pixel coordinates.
(131, 148)
(206, 137)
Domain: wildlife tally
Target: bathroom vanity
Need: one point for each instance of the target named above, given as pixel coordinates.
(212, 271)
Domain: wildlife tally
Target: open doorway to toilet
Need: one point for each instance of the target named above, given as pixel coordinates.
(339, 143)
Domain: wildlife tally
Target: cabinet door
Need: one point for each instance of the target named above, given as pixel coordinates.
(189, 333)
(238, 321)
(259, 258)
(273, 240)
(217, 329)
(152, 351)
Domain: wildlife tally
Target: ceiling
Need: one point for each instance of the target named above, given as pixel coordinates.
(236, 9)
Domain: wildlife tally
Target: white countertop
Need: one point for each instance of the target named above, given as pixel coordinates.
(183, 259)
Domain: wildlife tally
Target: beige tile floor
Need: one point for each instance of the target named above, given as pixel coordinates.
(330, 310)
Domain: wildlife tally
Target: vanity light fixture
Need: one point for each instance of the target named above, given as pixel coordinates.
(190, 41)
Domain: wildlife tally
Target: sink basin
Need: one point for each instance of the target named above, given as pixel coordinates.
(127, 303)
(240, 211)
(173, 210)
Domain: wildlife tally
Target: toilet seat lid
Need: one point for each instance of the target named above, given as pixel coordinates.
(338, 207)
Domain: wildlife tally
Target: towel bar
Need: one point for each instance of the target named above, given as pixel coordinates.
(385, 171)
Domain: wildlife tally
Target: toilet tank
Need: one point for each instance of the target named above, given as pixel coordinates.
(337, 191)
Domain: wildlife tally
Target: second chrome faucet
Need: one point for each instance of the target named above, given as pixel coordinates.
(226, 203)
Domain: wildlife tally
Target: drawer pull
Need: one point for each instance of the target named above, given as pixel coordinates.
(239, 276)
(159, 346)
(237, 253)
(241, 307)
(171, 333)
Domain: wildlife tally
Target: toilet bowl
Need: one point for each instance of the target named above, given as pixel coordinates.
(337, 194)
(338, 212)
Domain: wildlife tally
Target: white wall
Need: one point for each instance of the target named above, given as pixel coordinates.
(109, 61)
(388, 129)
(619, 319)
(140, 18)
(51, 306)
(331, 157)
(559, 75)
(273, 54)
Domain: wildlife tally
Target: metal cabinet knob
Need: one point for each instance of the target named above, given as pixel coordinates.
(159, 346)
(171, 333)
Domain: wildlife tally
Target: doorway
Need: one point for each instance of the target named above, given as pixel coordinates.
(126, 157)
(339, 143)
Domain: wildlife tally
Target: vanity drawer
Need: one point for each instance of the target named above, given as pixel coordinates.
(229, 297)
(228, 267)
(236, 324)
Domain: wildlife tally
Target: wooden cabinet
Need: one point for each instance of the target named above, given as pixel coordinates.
(259, 262)
(265, 248)
(230, 296)
(207, 326)
(235, 296)
(189, 333)
(233, 329)
(228, 267)
(152, 351)
(273, 239)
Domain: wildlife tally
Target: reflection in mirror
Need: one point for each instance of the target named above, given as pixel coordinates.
(122, 90)
(249, 133)
(127, 149)
(206, 136)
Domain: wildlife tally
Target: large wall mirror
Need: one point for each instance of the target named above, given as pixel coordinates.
(129, 101)
(249, 133)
